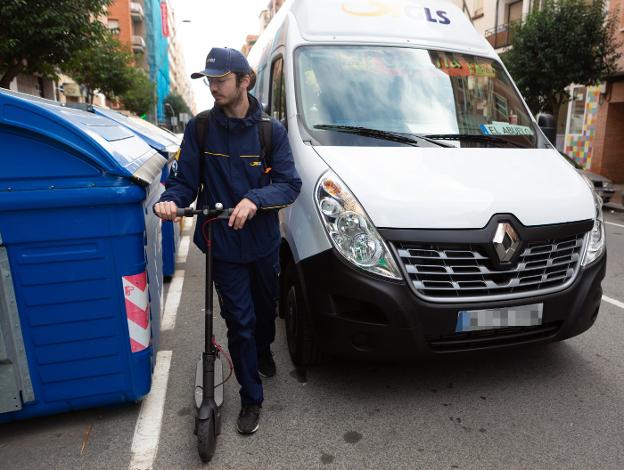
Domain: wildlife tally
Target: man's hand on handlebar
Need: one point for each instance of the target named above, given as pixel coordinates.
(245, 210)
(166, 210)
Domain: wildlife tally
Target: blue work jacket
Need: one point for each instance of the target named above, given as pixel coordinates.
(233, 170)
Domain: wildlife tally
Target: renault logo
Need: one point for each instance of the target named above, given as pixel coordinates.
(506, 242)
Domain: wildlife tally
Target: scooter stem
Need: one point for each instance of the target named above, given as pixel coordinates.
(208, 355)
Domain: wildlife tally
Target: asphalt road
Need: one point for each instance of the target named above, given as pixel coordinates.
(553, 406)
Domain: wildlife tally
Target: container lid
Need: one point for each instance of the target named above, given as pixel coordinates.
(109, 145)
(159, 139)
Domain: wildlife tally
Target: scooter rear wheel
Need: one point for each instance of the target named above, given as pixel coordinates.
(206, 438)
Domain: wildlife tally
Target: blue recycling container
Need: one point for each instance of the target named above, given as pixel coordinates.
(167, 145)
(80, 259)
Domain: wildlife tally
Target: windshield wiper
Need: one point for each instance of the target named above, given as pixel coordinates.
(475, 138)
(378, 134)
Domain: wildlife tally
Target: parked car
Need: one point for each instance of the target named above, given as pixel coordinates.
(603, 186)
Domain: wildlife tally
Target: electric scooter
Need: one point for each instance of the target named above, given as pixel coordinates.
(209, 372)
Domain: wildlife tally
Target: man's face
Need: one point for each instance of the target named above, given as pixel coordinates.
(224, 90)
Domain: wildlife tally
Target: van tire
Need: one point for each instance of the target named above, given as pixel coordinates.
(303, 344)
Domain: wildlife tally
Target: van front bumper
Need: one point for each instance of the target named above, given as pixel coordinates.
(359, 315)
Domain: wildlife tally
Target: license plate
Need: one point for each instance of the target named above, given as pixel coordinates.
(476, 320)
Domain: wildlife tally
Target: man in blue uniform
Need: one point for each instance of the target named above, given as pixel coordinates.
(230, 167)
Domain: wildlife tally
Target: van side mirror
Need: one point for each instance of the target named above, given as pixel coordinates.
(546, 123)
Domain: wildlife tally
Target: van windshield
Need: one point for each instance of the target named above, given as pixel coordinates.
(459, 100)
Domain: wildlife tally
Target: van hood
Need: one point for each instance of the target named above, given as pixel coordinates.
(407, 187)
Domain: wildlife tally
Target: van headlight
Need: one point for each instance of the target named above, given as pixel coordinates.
(350, 230)
(596, 243)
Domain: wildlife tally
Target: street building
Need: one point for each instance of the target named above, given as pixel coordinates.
(264, 18)
(34, 85)
(157, 52)
(608, 142)
(147, 28)
(250, 40)
(126, 22)
(178, 78)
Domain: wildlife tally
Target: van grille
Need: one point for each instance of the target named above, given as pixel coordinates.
(448, 272)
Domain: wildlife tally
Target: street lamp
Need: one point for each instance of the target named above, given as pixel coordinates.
(173, 117)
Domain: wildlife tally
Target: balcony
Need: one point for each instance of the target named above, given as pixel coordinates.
(136, 11)
(138, 44)
(501, 36)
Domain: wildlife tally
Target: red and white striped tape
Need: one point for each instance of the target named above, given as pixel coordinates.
(137, 310)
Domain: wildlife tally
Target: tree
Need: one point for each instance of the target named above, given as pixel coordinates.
(102, 66)
(37, 36)
(140, 97)
(567, 41)
(177, 105)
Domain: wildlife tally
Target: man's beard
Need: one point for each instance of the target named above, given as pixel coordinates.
(235, 100)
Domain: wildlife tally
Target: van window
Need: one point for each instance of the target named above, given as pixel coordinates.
(257, 90)
(409, 91)
(278, 91)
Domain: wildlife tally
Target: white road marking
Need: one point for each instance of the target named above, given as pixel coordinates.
(173, 301)
(174, 293)
(617, 303)
(614, 224)
(147, 430)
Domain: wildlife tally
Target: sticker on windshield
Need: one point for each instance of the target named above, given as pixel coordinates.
(462, 67)
(504, 128)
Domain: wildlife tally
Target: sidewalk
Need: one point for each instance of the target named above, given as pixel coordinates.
(616, 203)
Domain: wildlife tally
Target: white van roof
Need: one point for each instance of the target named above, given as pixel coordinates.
(425, 23)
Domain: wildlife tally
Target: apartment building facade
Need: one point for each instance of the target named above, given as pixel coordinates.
(264, 18)
(178, 78)
(608, 142)
(34, 85)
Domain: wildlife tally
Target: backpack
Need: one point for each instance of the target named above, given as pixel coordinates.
(265, 132)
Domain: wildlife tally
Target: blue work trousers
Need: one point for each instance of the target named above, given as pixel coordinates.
(247, 295)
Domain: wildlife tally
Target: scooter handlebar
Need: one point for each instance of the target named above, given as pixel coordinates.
(218, 212)
(191, 212)
(185, 212)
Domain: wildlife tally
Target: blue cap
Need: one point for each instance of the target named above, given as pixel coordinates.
(223, 60)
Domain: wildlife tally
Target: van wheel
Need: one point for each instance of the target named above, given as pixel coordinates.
(303, 345)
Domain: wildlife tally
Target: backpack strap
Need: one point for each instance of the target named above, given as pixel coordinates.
(202, 121)
(265, 131)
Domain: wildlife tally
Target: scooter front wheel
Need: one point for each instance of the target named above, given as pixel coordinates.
(206, 438)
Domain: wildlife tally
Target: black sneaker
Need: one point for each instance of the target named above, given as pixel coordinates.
(266, 365)
(248, 419)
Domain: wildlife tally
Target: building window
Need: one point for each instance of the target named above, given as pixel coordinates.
(577, 110)
(514, 12)
(113, 27)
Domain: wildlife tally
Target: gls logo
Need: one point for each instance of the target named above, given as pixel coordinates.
(415, 12)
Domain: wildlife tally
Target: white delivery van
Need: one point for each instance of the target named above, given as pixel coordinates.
(434, 217)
